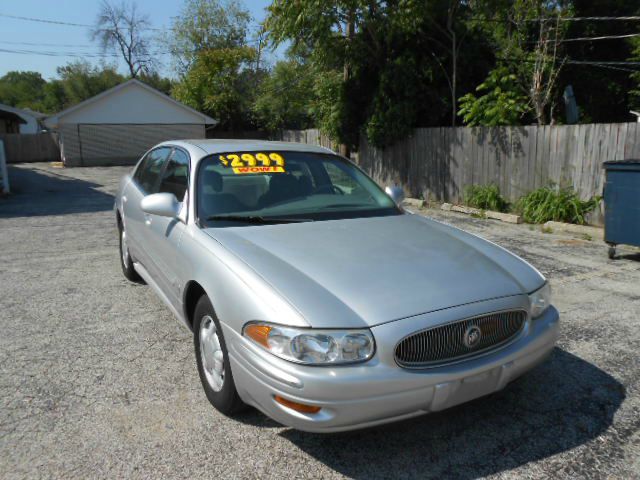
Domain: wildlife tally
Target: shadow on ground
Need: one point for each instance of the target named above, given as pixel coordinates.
(40, 193)
(628, 256)
(562, 404)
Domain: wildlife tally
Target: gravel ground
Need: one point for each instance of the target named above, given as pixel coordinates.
(98, 380)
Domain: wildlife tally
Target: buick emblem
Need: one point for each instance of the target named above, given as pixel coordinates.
(472, 336)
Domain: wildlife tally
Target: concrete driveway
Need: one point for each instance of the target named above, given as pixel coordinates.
(98, 380)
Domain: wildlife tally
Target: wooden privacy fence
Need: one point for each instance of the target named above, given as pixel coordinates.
(311, 136)
(439, 163)
(30, 147)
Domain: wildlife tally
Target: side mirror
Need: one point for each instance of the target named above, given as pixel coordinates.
(396, 193)
(161, 204)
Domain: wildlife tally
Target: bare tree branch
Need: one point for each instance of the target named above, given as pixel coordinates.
(121, 29)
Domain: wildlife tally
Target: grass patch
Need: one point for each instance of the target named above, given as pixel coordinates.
(560, 205)
(485, 197)
(546, 230)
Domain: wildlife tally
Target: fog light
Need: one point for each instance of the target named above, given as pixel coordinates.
(298, 407)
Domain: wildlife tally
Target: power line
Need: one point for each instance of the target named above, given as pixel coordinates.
(593, 19)
(63, 45)
(604, 37)
(50, 53)
(71, 54)
(587, 62)
(41, 20)
(610, 67)
(58, 22)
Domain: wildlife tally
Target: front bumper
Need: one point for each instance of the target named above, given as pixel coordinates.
(379, 391)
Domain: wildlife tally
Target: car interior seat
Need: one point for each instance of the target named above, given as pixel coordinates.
(214, 201)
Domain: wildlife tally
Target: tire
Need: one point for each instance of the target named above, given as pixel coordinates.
(126, 262)
(217, 379)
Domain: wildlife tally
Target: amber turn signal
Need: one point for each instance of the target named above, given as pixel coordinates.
(259, 333)
(298, 407)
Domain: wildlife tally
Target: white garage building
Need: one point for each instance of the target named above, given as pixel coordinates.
(117, 126)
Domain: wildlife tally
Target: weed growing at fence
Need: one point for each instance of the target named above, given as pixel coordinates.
(486, 197)
(560, 205)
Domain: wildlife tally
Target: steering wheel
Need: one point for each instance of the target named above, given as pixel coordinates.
(329, 188)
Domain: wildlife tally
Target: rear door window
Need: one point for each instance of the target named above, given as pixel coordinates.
(176, 175)
(148, 174)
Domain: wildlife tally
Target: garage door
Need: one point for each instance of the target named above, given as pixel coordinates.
(117, 144)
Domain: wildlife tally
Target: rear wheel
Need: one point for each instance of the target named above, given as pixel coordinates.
(126, 262)
(212, 359)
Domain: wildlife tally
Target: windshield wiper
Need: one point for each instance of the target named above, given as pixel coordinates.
(338, 205)
(257, 219)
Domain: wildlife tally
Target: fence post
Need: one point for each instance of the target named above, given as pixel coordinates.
(4, 175)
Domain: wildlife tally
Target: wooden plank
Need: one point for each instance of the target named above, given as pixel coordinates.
(486, 157)
(490, 156)
(569, 149)
(446, 163)
(466, 147)
(458, 163)
(533, 133)
(554, 167)
(506, 154)
(629, 140)
(611, 141)
(582, 161)
(635, 147)
(435, 139)
(620, 140)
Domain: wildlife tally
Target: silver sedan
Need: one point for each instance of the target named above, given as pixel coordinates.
(314, 297)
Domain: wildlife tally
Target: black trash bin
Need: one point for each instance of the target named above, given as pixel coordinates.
(622, 204)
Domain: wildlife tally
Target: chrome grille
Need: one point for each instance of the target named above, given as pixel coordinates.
(451, 342)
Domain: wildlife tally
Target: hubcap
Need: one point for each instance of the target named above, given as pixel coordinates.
(124, 250)
(211, 354)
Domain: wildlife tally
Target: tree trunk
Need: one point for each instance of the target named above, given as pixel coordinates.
(451, 13)
(346, 73)
(454, 74)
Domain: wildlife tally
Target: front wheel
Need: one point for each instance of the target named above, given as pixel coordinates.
(126, 262)
(212, 359)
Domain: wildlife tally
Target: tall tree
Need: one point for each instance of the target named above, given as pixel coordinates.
(498, 101)
(285, 97)
(602, 91)
(22, 89)
(449, 33)
(79, 81)
(527, 37)
(396, 65)
(219, 83)
(122, 29)
(206, 25)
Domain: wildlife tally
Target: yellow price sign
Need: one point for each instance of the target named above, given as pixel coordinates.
(244, 163)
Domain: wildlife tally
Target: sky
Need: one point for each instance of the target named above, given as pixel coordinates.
(60, 40)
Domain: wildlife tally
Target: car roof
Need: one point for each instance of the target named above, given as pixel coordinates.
(211, 146)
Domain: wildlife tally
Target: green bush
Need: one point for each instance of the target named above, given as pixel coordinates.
(560, 205)
(485, 197)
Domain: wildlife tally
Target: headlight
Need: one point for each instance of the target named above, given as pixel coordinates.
(311, 346)
(540, 300)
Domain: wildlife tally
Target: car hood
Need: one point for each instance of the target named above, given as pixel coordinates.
(367, 271)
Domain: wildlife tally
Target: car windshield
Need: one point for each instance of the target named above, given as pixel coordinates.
(283, 186)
